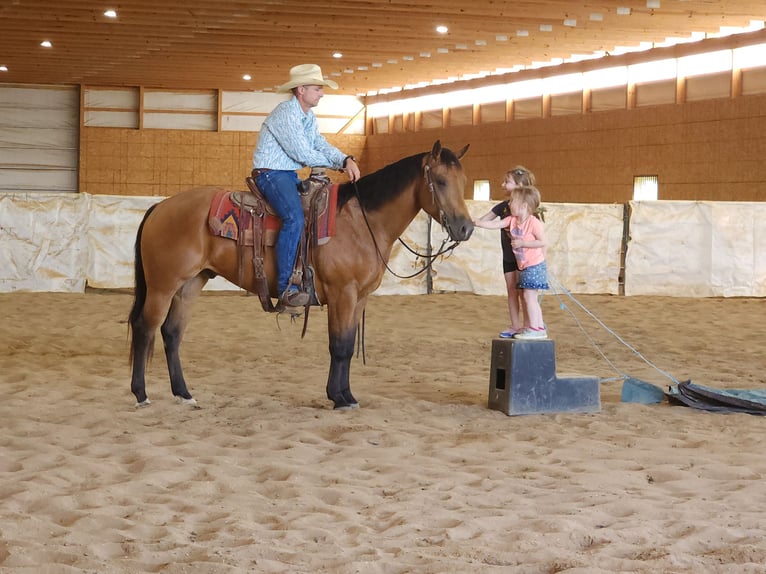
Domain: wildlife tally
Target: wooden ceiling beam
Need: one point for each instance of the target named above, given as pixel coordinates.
(211, 43)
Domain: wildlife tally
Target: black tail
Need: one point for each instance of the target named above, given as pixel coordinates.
(139, 293)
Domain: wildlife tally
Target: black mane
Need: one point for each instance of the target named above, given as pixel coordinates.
(382, 186)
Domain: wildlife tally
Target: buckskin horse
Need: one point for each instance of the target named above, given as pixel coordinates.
(176, 255)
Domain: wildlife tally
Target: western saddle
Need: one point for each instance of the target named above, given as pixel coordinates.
(314, 196)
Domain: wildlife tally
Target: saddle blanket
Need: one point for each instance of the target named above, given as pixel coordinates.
(226, 220)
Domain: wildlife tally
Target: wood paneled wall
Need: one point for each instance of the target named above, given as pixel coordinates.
(705, 150)
(123, 161)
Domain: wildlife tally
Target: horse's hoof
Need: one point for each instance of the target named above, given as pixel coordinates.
(188, 402)
(145, 403)
(345, 406)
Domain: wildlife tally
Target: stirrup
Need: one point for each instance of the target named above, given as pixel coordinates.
(294, 298)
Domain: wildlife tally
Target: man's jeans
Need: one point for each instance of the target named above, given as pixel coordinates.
(281, 191)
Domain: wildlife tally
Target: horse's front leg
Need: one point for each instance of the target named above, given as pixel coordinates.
(343, 319)
(338, 385)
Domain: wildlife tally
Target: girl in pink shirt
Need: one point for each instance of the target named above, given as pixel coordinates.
(515, 177)
(528, 243)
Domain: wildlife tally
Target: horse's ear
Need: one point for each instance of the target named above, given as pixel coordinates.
(437, 149)
(461, 153)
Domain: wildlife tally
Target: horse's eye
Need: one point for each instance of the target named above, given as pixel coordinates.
(441, 181)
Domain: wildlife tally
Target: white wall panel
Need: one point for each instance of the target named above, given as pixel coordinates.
(242, 123)
(250, 102)
(180, 101)
(109, 119)
(178, 121)
(57, 242)
(43, 243)
(21, 137)
(696, 249)
(39, 142)
(126, 98)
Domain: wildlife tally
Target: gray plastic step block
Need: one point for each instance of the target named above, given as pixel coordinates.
(523, 381)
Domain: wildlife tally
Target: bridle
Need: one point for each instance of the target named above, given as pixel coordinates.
(360, 347)
(429, 257)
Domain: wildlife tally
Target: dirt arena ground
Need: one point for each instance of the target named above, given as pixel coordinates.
(423, 478)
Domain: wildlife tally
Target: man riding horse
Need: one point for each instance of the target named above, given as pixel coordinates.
(290, 140)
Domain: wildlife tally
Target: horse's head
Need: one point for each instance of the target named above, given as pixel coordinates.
(443, 196)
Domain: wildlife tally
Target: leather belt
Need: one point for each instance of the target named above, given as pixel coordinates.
(259, 170)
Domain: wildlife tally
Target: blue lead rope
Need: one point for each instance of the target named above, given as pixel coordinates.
(558, 287)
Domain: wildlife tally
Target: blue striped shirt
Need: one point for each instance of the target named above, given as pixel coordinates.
(290, 140)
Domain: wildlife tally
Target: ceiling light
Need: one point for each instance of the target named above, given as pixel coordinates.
(522, 32)
(110, 14)
(596, 17)
(442, 29)
(571, 22)
(652, 3)
(546, 28)
(247, 77)
(377, 65)
(442, 50)
(480, 42)
(337, 55)
(3, 68)
(501, 38)
(46, 44)
(461, 47)
(623, 10)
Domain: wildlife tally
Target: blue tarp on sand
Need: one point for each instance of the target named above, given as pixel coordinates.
(720, 400)
(696, 396)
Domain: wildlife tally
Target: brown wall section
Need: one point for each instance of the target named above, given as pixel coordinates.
(122, 161)
(706, 150)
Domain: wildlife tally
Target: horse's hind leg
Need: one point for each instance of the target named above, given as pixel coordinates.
(172, 334)
(146, 316)
(141, 347)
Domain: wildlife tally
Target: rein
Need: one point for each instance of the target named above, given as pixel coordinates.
(360, 347)
(428, 257)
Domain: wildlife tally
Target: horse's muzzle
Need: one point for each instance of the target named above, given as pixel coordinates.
(459, 230)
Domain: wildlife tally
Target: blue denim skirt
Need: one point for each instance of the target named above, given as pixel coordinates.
(535, 277)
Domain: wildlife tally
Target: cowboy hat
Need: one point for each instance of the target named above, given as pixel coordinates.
(306, 75)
